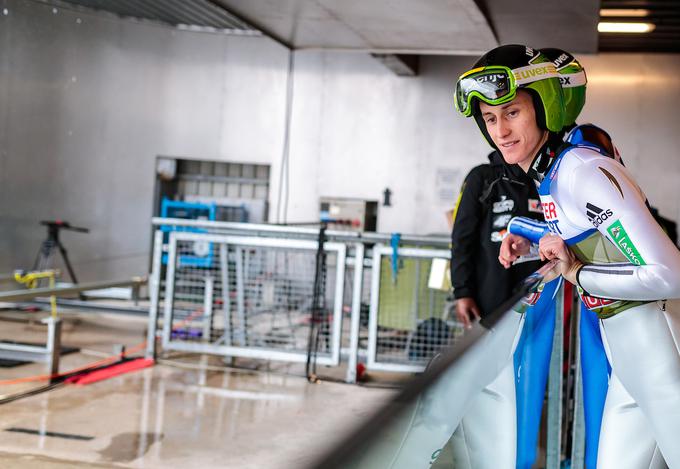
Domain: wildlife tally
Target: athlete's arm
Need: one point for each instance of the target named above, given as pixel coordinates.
(528, 228)
(606, 196)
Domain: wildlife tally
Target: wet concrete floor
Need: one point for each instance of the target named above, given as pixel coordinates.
(187, 411)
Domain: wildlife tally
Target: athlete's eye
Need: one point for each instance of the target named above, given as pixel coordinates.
(490, 120)
(513, 113)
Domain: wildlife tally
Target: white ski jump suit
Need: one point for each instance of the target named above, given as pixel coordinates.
(631, 266)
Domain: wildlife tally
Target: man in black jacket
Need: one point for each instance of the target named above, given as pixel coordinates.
(490, 196)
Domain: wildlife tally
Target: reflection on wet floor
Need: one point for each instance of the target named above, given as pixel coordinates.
(173, 415)
(127, 447)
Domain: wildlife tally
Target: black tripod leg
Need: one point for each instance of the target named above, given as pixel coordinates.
(43, 260)
(62, 250)
(67, 262)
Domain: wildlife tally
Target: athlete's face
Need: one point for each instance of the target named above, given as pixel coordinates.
(513, 128)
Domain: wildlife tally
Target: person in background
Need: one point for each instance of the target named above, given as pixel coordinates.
(490, 196)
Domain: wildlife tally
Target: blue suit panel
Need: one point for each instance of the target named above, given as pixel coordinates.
(532, 363)
(595, 371)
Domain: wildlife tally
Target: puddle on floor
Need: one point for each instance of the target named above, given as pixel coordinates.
(126, 447)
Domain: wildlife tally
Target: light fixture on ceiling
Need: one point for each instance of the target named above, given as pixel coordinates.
(623, 12)
(634, 28)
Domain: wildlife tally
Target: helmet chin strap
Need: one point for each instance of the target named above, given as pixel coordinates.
(545, 156)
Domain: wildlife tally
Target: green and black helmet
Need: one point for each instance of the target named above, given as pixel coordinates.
(573, 80)
(498, 74)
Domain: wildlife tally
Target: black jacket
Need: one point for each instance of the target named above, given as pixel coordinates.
(490, 196)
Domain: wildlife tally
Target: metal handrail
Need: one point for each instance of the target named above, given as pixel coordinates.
(21, 295)
(272, 230)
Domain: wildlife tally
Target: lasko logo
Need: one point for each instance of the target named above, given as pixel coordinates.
(626, 246)
(550, 214)
(596, 215)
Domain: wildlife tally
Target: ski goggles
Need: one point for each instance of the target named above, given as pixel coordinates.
(497, 84)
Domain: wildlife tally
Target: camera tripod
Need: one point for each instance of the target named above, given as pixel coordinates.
(48, 248)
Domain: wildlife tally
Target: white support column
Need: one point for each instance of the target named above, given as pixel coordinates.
(355, 318)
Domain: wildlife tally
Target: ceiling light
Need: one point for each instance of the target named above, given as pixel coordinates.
(636, 13)
(605, 27)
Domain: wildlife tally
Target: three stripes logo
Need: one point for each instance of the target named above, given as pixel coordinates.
(596, 215)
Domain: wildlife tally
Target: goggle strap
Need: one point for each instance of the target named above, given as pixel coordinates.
(572, 80)
(534, 72)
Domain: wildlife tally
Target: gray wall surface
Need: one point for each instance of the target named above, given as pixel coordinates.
(87, 101)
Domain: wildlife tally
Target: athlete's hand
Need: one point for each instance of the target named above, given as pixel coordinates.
(512, 247)
(552, 247)
(467, 311)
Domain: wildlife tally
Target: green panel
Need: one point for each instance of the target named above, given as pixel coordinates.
(405, 300)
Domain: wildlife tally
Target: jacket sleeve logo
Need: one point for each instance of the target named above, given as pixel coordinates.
(503, 205)
(550, 215)
(596, 215)
(624, 243)
(535, 206)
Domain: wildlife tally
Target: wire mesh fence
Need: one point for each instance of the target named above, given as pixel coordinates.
(253, 294)
(410, 321)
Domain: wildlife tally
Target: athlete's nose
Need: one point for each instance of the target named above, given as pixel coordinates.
(502, 129)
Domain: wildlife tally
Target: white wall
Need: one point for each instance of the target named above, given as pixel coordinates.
(87, 101)
(358, 128)
(86, 106)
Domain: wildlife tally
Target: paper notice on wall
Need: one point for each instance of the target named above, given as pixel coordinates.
(447, 184)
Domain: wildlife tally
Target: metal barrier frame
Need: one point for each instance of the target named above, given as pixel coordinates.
(355, 317)
(253, 352)
(154, 294)
(379, 251)
(49, 354)
(339, 242)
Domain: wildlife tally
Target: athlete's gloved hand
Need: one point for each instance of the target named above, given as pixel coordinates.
(552, 247)
(512, 247)
(467, 311)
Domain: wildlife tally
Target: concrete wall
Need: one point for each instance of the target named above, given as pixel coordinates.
(358, 129)
(88, 101)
